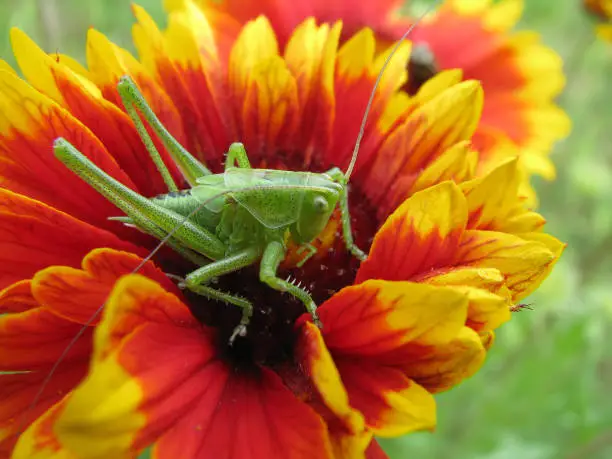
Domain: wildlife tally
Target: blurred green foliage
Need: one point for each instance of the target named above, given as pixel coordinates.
(545, 392)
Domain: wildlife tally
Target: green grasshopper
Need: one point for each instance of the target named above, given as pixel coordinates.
(224, 222)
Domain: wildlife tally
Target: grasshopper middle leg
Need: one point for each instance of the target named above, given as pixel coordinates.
(196, 280)
(273, 254)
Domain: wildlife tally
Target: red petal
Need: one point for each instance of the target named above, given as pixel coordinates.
(258, 417)
(17, 297)
(374, 451)
(286, 16)
(36, 338)
(34, 236)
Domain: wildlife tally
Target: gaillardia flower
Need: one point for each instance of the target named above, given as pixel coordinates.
(603, 10)
(449, 252)
(519, 75)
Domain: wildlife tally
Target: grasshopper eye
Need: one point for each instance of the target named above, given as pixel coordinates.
(319, 203)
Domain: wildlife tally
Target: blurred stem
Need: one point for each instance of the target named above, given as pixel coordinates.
(48, 18)
(598, 444)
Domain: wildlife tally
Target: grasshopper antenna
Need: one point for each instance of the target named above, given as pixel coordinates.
(364, 120)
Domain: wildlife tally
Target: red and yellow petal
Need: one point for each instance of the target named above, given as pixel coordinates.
(373, 343)
(82, 98)
(437, 125)
(30, 344)
(356, 70)
(495, 204)
(311, 57)
(143, 394)
(35, 122)
(520, 76)
(524, 264)
(265, 91)
(427, 236)
(185, 63)
(422, 234)
(45, 319)
(75, 294)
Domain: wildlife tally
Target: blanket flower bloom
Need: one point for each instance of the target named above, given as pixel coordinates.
(520, 76)
(450, 251)
(603, 10)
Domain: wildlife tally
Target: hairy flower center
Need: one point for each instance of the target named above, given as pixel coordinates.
(421, 67)
(270, 334)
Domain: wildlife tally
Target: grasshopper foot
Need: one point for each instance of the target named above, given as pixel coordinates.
(312, 308)
(178, 279)
(240, 330)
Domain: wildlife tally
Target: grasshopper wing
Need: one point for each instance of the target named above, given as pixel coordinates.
(208, 187)
(273, 197)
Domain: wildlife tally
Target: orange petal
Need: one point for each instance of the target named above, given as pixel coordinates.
(76, 294)
(421, 234)
(28, 165)
(34, 236)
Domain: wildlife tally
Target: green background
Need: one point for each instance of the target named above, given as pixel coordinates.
(545, 389)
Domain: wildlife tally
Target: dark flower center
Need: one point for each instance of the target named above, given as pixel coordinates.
(270, 336)
(421, 67)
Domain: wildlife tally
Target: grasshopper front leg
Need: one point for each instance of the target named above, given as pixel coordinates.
(273, 254)
(237, 156)
(134, 102)
(345, 216)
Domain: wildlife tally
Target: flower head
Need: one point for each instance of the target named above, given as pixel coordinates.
(519, 75)
(603, 10)
(450, 253)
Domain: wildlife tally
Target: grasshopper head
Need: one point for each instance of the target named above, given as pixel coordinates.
(315, 211)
